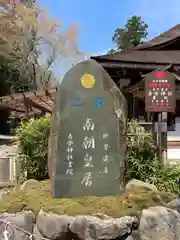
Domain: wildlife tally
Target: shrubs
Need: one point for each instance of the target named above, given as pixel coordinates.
(140, 154)
(32, 137)
(141, 161)
(142, 164)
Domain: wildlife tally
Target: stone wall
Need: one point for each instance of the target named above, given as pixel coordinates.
(160, 222)
(155, 223)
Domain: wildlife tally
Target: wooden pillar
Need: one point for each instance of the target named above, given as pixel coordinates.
(149, 117)
(154, 133)
(134, 106)
(159, 137)
(164, 138)
(26, 104)
(129, 99)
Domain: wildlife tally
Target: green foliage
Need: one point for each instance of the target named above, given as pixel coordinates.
(141, 161)
(134, 33)
(32, 137)
(10, 80)
(142, 164)
(140, 152)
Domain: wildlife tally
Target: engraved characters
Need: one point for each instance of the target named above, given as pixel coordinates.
(69, 157)
(88, 143)
(105, 158)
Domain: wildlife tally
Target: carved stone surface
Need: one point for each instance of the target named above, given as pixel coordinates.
(88, 135)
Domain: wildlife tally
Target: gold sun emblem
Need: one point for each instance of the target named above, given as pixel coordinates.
(88, 81)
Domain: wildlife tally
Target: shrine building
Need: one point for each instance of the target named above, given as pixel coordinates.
(129, 68)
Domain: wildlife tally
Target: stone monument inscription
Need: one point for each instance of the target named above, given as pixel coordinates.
(88, 135)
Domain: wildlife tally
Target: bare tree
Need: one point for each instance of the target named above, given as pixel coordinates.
(33, 42)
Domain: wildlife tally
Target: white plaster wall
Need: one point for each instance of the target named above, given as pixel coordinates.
(175, 135)
(8, 152)
(173, 153)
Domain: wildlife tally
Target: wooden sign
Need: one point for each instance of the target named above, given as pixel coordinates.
(88, 137)
(160, 92)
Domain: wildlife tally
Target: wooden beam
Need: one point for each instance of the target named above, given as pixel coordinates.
(134, 65)
(4, 106)
(49, 95)
(39, 106)
(42, 100)
(26, 104)
(19, 96)
(174, 143)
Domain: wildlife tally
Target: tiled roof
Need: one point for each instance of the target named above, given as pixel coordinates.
(168, 36)
(140, 54)
(29, 103)
(167, 57)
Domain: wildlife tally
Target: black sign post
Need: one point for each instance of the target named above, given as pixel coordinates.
(160, 98)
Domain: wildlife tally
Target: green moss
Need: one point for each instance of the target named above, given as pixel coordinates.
(38, 195)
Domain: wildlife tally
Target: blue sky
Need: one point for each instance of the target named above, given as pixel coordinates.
(97, 19)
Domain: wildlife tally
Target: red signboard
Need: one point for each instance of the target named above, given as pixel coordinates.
(160, 92)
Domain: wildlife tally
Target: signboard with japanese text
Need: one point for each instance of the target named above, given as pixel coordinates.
(160, 92)
(87, 140)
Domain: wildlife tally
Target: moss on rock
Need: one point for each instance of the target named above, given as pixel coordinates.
(38, 195)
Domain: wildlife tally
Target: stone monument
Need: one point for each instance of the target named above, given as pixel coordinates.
(88, 134)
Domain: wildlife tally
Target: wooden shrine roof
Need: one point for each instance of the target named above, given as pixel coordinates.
(164, 57)
(167, 37)
(147, 53)
(28, 104)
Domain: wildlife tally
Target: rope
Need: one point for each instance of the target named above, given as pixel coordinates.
(5, 233)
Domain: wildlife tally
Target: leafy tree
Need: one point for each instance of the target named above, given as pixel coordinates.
(29, 3)
(29, 39)
(32, 138)
(31, 43)
(111, 51)
(133, 34)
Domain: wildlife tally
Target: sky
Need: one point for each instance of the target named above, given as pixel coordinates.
(97, 19)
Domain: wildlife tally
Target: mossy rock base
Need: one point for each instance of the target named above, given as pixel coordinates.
(36, 196)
